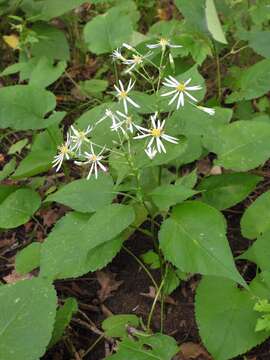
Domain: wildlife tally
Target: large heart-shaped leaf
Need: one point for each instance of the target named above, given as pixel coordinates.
(226, 190)
(108, 31)
(165, 196)
(194, 240)
(65, 252)
(255, 220)
(23, 107)
(43, 150)
(242, 145)
(226, 318)
(254, 82)
(259, 252)
(18, 208)
(27, 317)
(86, 195)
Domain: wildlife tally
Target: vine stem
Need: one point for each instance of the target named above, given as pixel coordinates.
(143, 266)
(160, 70)
(218, 75)
(93, 345)
(154, 305)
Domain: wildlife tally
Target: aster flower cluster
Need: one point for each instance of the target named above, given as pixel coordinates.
(79, 146)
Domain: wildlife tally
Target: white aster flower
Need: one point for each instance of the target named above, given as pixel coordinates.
(117, 55)
(207, 110)
(109, 114)
(79, 137)
(151, 152)
(180, 90)
(156, 133)
(124, 125)
(163, 43)
(122, 94)
(129, 47)
(136, 60)
(64, 151)
(94, 160)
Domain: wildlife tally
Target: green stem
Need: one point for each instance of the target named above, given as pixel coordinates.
(93, 345)
(160, 70)
(115, 72)
(154, 305)
(218, 75)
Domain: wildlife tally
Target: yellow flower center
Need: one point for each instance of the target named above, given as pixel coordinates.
(181, 87)
(156, 132)
(123, 94)
(137, 59)
(129, 120)
(163, 42)
(82, 135)
(63, 149)
(94, 158)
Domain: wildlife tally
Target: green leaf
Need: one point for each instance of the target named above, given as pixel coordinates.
(18, 208)
(194, 240)
(191, 121)
(172, 281)
(8, 169)
(18, 146)
(253, 83)
(226, 318)
(110, 248)
(259, 251)
(86, 195)
(28, 259)
(23, 107)
(194, 13)
(52, 43)
(242, 145)
(102, 133)
(116, 325)
(62, 256)
(165, 196)
(173, 151)
(108, 31)
(51, 8)
(259, 42)
(6, 190)
(40, 158)
(63, 317)
(27, 317)
(46, 72)
(158, 346)
(255, 220)
(193, 151)
(93, 86)
(226, 190)
(188, 180)
(213, 23)
(151, 258)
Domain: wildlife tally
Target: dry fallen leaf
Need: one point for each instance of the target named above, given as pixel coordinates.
(108, 284)
(190, 351)
(14, 277)
(216, 170)
(50, 216)
(12, 41)
(204, 166)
